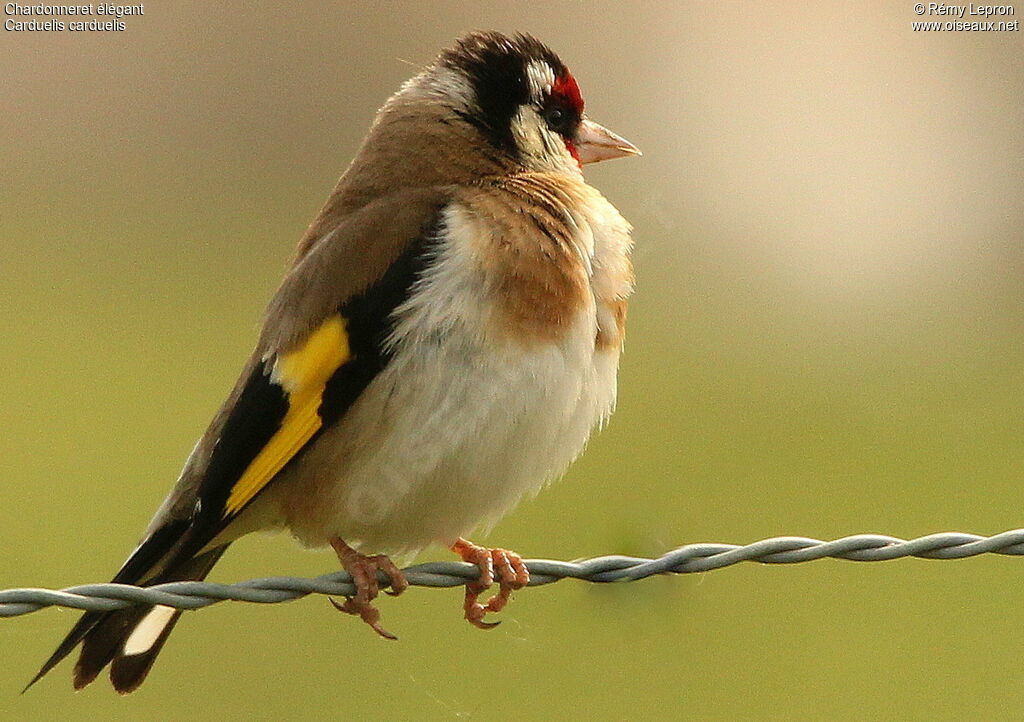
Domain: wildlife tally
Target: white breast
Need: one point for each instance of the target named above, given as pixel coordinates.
(459, 426)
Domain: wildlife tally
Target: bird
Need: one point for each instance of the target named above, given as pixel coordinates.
(444, 342)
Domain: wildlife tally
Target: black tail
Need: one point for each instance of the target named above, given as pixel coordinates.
(104, 636)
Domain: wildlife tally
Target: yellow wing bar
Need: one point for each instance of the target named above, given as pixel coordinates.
(303, 374)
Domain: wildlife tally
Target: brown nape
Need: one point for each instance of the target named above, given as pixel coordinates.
(415, 143)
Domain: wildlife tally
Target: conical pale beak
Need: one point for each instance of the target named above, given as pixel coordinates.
(595, 142)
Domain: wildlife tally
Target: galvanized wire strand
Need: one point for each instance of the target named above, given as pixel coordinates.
(684, 560)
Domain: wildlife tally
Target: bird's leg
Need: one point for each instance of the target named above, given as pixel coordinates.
(506, 566)
(364, 575)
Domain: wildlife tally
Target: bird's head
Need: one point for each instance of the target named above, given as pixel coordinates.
(488, 105)
(524, 102)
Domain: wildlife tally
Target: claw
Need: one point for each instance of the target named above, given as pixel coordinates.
(364, 576)
(506, 566)
(366, 612)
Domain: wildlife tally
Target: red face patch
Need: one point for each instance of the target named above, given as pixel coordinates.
(571, 147)
(566, 89)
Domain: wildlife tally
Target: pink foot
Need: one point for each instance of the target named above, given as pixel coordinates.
(364, 575)
(506, 566)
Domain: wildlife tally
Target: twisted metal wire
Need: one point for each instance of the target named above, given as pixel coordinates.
(684, 560)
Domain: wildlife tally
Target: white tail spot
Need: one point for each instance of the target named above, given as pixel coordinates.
(146, 632)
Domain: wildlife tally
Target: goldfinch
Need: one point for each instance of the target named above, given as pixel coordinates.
(444, 343)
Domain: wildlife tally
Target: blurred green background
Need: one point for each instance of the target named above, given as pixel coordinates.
(826, 340)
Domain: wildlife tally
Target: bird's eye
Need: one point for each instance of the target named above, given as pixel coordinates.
(557, 119)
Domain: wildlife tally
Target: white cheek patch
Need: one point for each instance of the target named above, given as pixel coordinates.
(546, 148)
(527, 132)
